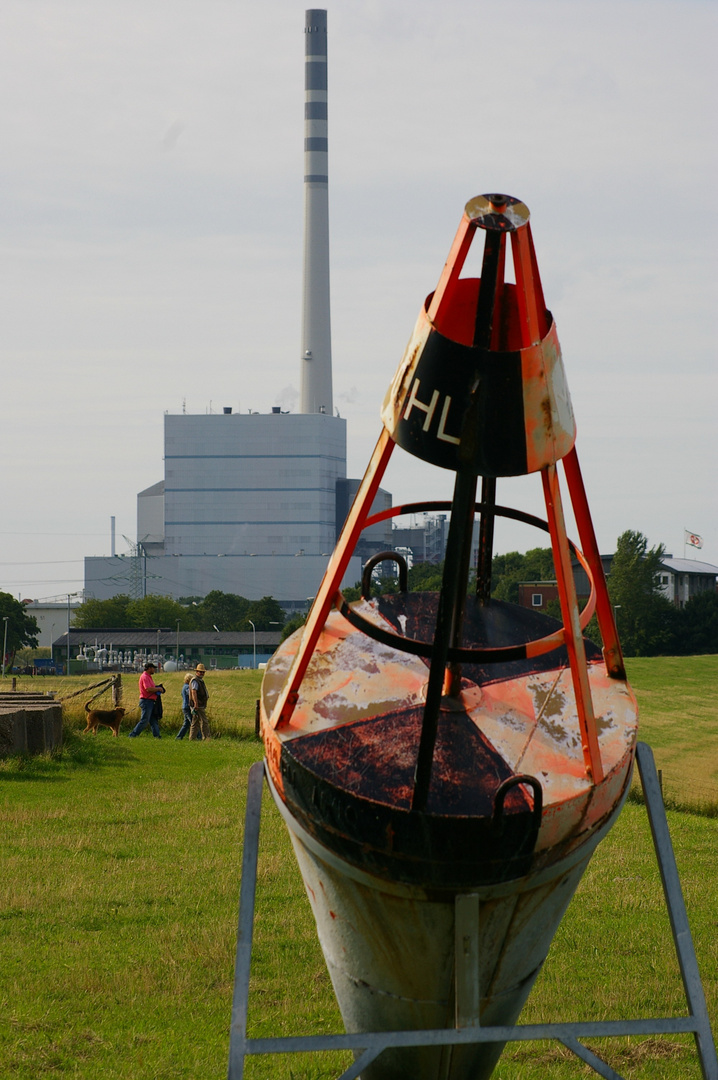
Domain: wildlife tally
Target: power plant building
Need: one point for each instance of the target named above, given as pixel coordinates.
(252, 503)
(248, 506)
(249, 502)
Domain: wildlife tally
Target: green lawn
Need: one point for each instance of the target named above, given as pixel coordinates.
(119, 879)
(678, 710)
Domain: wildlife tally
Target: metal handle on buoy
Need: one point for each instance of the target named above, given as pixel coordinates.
(384, 556)
(497, 819)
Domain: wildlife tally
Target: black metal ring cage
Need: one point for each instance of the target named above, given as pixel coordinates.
(457, 655)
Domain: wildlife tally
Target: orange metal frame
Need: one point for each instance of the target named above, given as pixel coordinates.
(534, 325)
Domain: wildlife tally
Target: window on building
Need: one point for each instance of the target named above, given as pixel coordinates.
(537, 599)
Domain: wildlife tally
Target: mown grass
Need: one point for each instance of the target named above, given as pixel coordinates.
(678, 709)
(119, 881)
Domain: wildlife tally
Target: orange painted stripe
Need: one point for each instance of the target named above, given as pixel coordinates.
(569, 612)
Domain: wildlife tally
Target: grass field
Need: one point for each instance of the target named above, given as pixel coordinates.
(119, 878)
(678, 703)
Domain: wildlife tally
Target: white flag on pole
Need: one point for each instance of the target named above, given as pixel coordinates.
(693, 539)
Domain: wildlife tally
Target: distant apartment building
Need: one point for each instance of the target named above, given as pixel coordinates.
(681, 579)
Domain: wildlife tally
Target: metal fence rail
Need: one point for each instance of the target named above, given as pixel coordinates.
(372, 1044)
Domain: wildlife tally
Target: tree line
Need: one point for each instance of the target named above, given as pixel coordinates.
(19, 632)
(216, 611)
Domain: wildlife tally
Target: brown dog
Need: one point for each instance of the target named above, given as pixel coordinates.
(111, 718)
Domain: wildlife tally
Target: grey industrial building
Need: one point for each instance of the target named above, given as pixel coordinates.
(250, 503)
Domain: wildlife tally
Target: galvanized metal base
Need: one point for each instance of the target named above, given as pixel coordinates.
(370, 1045)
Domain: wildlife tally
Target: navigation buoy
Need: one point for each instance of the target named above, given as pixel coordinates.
(447, 763)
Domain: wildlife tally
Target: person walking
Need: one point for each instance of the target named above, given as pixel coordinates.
(149, 693)
(198, 696)
(186, 707)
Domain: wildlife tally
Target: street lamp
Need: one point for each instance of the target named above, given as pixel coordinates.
(69, 612)
(52, 639)
(254, 643)
(4, 644)
(177, 644)
(615, 613)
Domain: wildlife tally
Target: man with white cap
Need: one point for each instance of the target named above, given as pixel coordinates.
(198, 697)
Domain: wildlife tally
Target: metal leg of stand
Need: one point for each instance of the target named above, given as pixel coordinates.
(677, 911)
(466, 960)
(352, 1073)
(597, 1064)
(238, 1029)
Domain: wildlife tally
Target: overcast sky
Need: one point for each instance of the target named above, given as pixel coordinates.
(151, 231)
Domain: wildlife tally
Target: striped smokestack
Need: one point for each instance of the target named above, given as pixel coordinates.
(316, 362)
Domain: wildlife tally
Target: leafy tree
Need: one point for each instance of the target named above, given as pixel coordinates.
(264, 613)
(646, 619)
(157, 611)
(426, 577)
(22, 629)
(293, 624)
(697, 625)
(122, 612)
(109, 613)
(226, 611)
(508, 570)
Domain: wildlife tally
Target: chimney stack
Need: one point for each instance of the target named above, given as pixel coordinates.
(316, 361)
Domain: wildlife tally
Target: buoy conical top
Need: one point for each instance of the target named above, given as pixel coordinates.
(481, 387)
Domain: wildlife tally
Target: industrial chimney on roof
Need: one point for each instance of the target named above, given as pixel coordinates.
(316, 361)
